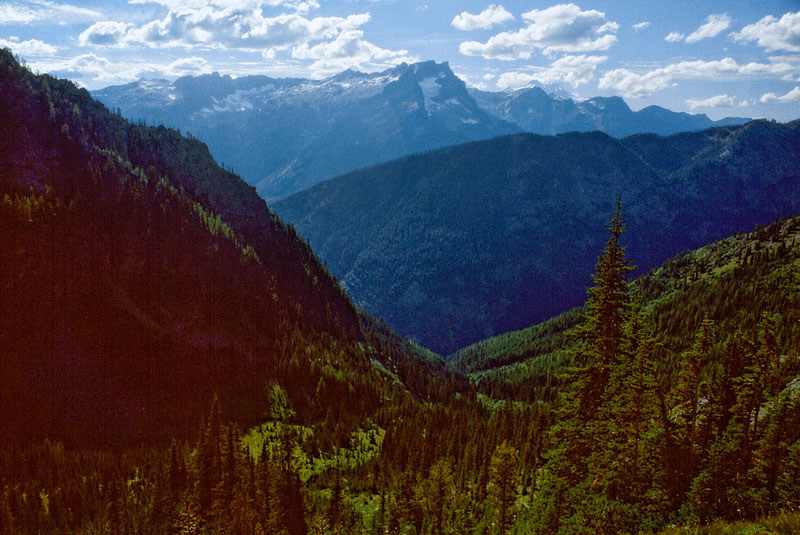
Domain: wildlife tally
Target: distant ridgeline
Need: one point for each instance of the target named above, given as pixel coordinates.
(284, 135)
(287, 134)
(462, 243)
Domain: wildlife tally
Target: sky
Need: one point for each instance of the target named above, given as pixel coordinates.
(721, 58)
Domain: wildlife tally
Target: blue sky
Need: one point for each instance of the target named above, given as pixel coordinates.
(721, 58)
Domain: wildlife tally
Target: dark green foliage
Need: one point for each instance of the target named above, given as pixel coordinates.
(148, 279)
(463, 243)
(133, 306)
(599, 474)
(502, 488)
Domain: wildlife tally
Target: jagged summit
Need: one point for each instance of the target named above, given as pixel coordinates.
(284, 135)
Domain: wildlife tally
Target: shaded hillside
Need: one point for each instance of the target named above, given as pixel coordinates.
(140, 279)
(733, 281)
(458, 244)
(284, 135)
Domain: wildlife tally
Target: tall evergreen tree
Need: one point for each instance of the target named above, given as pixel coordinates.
(569, 499)
(688, 401)
(502, 488)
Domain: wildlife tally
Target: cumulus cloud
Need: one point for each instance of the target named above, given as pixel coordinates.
(349, 50)
(572, 70)
(772, 33)
(491, 16)
(39, 11)
(791, 96)
(31, 47)
(718, 101)
(674, 37)
(713, 26)
(560, 28)
(299, 6)
(105, 33)
(242, 25)
(103, 70)
(634, 85)
(186, 66)
(641, 25)
(231, 27)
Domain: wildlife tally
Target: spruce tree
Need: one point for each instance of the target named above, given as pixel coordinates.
(569, 498)
(502, 488)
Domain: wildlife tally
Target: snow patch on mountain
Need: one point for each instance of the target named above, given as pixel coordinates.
(430, 89)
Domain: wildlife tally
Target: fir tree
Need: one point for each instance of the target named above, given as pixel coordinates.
(503, 481)
(569, 496)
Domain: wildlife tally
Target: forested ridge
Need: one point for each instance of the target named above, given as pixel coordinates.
(176, 360)
(734, 281)
(459, 244)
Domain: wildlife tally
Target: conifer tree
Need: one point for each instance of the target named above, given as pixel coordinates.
(436, 495)
(688, 401)
(569, 498)
(502, 488)
(209, 462)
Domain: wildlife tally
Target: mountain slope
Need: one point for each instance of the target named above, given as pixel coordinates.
(733, 281)
(536, 111)
(459, 244)
(140, 280)
(284, 135)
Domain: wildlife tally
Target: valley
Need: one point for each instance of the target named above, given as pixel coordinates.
(177, 358)
(470, 241)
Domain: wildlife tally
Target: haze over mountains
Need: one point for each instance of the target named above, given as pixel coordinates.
(465, 242)
(284, 135)
(538, 111)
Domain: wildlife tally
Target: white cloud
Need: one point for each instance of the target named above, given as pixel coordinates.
(674, 37)
(560, 28)
(491, 16)
(641, 25)
(791, 96)
(299, 6)
(40, 11)
(635, 85)
(718, 101)
(348, 50)
(31, 47)
(331, 43)
(103, 70)
(105, 33)
(186, 66)
(713, 26)
(572, 70)
(772, 33)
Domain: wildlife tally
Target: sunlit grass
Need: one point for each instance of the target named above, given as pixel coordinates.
(781, 524)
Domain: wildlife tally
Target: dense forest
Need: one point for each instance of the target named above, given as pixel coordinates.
(176, 360)
(463, 243)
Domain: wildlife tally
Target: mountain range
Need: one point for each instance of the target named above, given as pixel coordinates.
(284, 135)
(462, 243)
(317, 128)
(535, 110)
